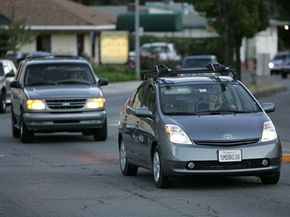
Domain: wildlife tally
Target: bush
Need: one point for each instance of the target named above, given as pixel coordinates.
(115, 72)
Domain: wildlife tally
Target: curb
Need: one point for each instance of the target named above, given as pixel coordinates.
(268, 91)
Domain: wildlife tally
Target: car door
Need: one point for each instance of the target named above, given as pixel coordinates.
(130, 124)
(145, 127)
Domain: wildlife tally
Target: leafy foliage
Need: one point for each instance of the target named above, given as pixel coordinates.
(233, 20)
(14, 35)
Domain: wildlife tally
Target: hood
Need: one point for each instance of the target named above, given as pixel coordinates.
(218, 127)
(63, 91)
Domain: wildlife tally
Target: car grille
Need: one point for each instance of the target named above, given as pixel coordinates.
(64, 104)
(227, 142)
(215, 165)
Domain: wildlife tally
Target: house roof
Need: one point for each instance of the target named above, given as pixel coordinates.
(54, 13)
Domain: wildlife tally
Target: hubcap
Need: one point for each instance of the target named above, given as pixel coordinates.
(156, 166)
(123, 159)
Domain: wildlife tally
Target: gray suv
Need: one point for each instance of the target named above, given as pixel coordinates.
(57, 94)
(204, 125)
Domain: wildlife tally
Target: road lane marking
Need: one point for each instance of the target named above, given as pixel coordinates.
(286, 158)
(2, 155)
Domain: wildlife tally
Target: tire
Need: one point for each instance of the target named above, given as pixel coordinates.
(127, 169)
(15, 130)
(284, 74)
(160, 180)
(2, 103)
(270, 180)
(101, 134)
(87, 133)
(26, 135)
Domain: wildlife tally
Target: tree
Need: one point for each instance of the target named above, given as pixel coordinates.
(14, 35)
(233, 20)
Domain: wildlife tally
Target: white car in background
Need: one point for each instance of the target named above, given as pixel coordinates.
(7, 73)
(280, 64)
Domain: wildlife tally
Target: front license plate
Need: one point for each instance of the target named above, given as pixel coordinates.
(230, 155)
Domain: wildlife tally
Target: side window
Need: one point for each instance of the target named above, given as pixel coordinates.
(138, 99)
(150, 99)
(1, 70)
(19, 71)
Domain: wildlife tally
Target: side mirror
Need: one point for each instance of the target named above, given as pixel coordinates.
(10, 74)
(268, 107)
(103, 82)
(15, 84)
(143, 112)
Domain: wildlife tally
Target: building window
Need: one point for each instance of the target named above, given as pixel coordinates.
(43, 43)
(80, 44)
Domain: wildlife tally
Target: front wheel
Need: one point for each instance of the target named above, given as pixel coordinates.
(160, 180)
(284, 74)
(15, 130)
(2, 103)
(101, 134)
(127, 169)
(26, 135)
(271, 180)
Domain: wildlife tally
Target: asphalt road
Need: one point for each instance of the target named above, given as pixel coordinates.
(68, 175)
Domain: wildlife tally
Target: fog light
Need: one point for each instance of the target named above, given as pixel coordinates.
(190, 165)
(265, 162)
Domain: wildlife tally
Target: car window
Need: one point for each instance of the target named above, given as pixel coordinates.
(197, 98)
(1, 70)
(41, 74)
(150, 99)
(196, 63)
(138, 99)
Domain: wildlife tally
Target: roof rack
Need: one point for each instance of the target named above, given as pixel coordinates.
(163, 70)
(52, 56)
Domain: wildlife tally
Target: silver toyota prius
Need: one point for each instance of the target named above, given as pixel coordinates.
(197, 122)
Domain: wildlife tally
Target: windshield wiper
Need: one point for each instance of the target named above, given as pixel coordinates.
(221, 112)
(41, 83)
(73, 82)
(180, 113)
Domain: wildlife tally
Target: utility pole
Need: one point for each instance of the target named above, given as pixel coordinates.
(137, 40)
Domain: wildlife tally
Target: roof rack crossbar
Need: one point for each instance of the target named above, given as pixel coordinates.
(163, 70)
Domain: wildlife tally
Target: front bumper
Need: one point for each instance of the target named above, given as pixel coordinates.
(55, 122)
(205, 159)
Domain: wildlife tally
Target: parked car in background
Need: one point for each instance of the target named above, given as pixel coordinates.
(57, 94)
(197, 125)
(198, 61)
(280, 65)
(7, 73)
(160, 51)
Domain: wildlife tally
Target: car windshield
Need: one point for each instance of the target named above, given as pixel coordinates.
(54, 74)
(196, 63)
(280, 57)
(206, 99)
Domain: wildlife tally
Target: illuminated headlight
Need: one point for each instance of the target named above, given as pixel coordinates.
(176, 134)
(269, 132)
(95, 103)
(35, 104)
(271, 65)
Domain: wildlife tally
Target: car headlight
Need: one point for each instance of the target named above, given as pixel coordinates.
(176, 134)
(35, 104)
(271, 65)
(269, 132)
(95, 103)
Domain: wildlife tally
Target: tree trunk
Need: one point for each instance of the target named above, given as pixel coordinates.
(238, 59)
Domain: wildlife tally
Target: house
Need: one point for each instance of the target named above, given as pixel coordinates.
(61, 26)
